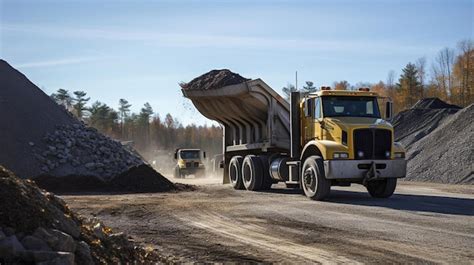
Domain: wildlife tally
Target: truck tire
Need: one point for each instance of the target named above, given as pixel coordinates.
(235, 173)
(252, 173)
(314, 183)
(176, 173)
(382, 188)
(267, 180)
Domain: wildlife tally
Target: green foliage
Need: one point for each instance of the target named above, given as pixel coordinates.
(63, 98)
(288, 89)
(409, 85)
(309, 87)
(103, 118)
(80, 103)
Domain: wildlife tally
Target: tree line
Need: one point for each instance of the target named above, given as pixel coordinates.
(147, 130)
(450, 77)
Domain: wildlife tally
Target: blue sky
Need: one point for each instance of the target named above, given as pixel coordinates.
(141, 50)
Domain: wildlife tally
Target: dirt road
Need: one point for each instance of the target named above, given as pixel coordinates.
(424, 223)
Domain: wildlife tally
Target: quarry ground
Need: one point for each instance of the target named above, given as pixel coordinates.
(421, 223)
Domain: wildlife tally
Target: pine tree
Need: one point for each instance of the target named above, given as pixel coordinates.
(80, 105)
(309, 87)
(288, 89)
(124, 109)
(409, 85)
(63, 98)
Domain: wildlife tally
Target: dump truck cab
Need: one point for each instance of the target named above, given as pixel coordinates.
(350, 138)
(189, 162)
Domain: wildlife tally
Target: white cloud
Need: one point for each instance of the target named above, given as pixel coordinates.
(65, 61)
(190, 40)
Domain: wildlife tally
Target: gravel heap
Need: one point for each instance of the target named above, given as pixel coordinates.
(426, 115)
(77, 148)
(38, 227)
(214, 79)
(41, 140)
(439, 139)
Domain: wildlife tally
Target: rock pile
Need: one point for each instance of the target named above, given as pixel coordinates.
(439, 139)
(40, 139)
(77, 148)
(214, 79)
(37, 227)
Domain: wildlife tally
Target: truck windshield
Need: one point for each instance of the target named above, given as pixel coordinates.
(190, 154)
(347, 106)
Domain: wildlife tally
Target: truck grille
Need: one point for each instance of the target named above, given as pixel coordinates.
(374, 143)
(192, 164)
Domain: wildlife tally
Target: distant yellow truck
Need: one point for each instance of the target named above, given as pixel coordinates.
(189, 162)
(318, 140)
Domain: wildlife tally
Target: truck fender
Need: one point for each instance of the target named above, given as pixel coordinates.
(313, 147)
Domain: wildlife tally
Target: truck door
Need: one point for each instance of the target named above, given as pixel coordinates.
(318, 118)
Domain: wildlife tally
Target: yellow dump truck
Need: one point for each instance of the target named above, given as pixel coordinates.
(315, 141)
(189, 162)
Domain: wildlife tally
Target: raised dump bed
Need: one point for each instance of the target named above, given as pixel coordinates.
(254, 116)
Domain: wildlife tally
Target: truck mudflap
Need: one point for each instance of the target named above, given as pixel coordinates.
(365, 169)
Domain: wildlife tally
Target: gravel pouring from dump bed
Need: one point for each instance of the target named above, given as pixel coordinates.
(214, 79)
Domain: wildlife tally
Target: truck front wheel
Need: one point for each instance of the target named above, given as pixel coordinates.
(382, 188)
(176, 173)
(235, 172)
(315, 185)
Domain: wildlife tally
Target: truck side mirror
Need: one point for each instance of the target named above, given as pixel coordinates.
(204, 154)
(388, 110)
(176, 155)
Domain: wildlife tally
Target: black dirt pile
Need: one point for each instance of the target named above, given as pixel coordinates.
(439, 139)
(425, 116)
(38, 227)
(213, 80)
(137, 179)
(40, 138)
(26, 115)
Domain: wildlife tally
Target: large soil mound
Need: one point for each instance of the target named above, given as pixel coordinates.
(214, 79)
(40, 139)
(446, 155)
(37, 226)
(439, 140)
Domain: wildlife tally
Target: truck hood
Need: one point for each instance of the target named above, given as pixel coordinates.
(344, 122)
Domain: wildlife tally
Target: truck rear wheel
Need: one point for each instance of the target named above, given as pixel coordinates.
(252, 173)
(235, 172)
(315, 185)
(382, 188)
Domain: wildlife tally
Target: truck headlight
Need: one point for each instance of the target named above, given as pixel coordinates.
(340, 155)
(360, 154)
(387, 154)
(399, 155)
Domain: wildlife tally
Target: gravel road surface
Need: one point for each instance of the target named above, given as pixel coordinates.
(421, 223)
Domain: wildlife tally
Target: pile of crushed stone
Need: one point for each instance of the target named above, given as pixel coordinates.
(439, 139)
(417, 122)
(40, 139)
(214, 79)
(37, 227)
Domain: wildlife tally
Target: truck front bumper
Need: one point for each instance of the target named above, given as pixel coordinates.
(357, 169)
